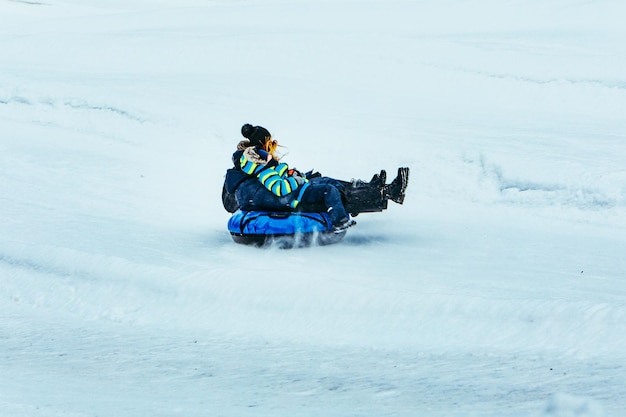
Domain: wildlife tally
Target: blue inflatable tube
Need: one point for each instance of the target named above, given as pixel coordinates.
(286, 229)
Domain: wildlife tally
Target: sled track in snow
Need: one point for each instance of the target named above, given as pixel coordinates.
(30, 3)
(616, 84)
(73, 104)
(528, 192)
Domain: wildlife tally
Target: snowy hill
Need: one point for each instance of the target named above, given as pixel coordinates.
(497, 289)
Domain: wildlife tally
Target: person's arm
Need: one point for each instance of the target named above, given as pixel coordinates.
(277, 180)
(273, 176)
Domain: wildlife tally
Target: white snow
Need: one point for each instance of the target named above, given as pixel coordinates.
(497, 289)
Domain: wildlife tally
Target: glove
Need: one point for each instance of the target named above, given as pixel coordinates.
(312, 174)
(297, 175)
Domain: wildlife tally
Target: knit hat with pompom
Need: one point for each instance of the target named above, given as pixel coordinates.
(256, 134)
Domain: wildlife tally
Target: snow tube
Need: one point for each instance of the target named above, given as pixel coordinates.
(284, 229)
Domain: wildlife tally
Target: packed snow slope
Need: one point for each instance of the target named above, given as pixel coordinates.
(497, 289)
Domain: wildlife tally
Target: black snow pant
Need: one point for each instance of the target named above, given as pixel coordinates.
(357, 196)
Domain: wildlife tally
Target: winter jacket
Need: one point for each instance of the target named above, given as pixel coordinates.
(259, 183)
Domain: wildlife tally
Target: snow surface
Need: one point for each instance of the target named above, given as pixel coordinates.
(497, 289)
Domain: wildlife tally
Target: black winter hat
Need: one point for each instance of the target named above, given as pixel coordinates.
(256, 134)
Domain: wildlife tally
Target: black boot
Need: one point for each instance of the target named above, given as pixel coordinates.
(365, 197)
(379, 180)
(397, 189)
